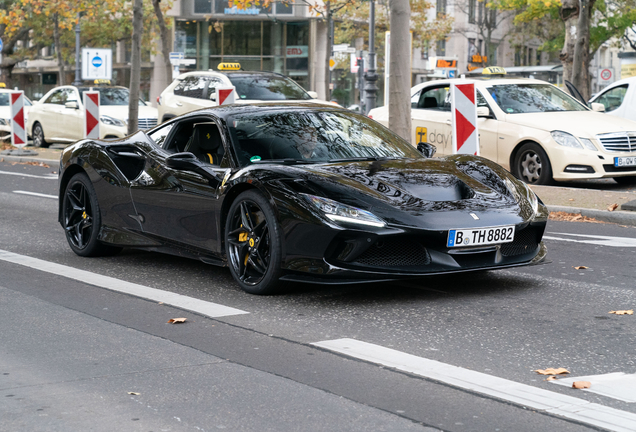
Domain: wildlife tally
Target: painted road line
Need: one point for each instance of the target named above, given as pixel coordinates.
(53, 177)
(617, 385)
(35, 194)
(168, 298)
(521, 394)
(596, 240)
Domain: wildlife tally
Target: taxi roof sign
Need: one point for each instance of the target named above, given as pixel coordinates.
(101, 82)
(494, 70)
(229, 66)
(2, 85)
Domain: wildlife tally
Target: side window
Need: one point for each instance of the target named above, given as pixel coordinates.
(56, 98)
(213, 84)
(159, 136)
(613, 98)
(481, 101)
(415, 98)
(436, 98)
(191, 86)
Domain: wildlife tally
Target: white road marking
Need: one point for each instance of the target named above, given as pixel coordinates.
(168, 298)
(596, 240)
(50, 177)
(521, 394)
(35, 194)
(617, 385)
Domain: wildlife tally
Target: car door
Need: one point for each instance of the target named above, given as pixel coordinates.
(179, 207)
(615, 101)
(189, 95)
(487, 128)
(431, 118)
(71, 119)
(50, 112)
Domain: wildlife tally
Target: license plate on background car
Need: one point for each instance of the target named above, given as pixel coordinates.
(480, 236)
(625, 161)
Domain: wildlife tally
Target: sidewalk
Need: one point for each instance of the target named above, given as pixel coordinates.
(591, 203)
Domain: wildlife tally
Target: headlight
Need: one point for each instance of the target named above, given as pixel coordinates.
(339, 212)
(5, 122)
(588, 144)
(111, 121)
(566, 140)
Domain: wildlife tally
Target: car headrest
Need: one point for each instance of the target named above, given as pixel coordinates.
(207, 136)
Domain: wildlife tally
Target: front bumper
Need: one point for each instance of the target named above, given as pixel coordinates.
(574, 164)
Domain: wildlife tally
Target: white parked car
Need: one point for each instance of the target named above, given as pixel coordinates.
(5, 113)
(530, 127)
(195, 90)
(59, 115)
(619, 98)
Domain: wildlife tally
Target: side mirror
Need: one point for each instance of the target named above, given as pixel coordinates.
(483, 112)
(213, 95)
(598, 107)
(187, 161)
(426, 149)
(313, 94)
(72, 105)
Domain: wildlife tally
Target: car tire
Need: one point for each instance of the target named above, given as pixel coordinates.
(532, 165)
(629, 180)
(81, 218)
(38, 136)
(253, 244)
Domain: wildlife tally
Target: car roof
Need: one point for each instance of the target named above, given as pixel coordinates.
(211, 72)
(224, 111)
(480, 81)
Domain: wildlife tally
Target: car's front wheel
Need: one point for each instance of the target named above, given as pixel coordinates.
(532, 165)
(253, 243)
(38, 136)
(82, 219)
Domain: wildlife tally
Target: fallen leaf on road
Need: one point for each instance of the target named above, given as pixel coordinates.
(551, 378)
(581, 384)
(571, 199)
(552, 371)
(177, 320)
(580, 267)
(572, 217)
(622, 312)
(134, 393)
(613, 207)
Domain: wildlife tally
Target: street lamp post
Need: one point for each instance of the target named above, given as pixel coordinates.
(370, 88)
(78, 72)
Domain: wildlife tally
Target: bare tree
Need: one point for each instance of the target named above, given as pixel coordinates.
(135, 67)
(58, 49)
(400, 66)
(581, 75)
(165, 40)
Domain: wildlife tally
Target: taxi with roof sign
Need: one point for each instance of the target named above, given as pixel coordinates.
(530, 127)
(58, 117)
(198, 89)
(5, 111)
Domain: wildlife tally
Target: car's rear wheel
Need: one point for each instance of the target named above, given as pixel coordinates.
(82, 219)
(532, 165)
(253, 243)
(629, 180)
(38, 136)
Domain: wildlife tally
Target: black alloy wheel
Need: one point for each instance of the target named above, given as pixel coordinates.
(38, 136)
(82, 219)
(253, 243)
(532, 165)
(628, 180)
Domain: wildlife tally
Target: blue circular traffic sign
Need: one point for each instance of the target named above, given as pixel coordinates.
(1, 44)
(97, 61)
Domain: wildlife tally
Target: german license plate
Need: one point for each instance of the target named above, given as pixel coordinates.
(625, 161)
(480, 236)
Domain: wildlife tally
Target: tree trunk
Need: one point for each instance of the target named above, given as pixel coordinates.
(400, 66)
(581, 60)
(135, 67)
(570, 15)
(165, 40)
(58, 51)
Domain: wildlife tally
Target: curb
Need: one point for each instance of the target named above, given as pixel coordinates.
(617, 217)
(49, 161)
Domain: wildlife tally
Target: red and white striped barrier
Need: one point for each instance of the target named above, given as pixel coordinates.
(18, 134)
(464, 109)
(225, 95)
(91, 114)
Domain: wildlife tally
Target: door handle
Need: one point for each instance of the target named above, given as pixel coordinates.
(449, 122)
(178, 104)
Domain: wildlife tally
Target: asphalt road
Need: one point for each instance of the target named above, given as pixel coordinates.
(75, 356)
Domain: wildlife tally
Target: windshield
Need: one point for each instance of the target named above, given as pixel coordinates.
(314, 136)
(110, 95)
(267, 87)
(532, 98)
(4, 100)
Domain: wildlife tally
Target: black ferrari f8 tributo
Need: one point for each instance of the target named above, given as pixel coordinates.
(296, 193)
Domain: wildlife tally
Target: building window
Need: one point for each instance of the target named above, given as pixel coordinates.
(472, 6)
(441, 7)
(472, 49)
(202, 6)
(440, 48)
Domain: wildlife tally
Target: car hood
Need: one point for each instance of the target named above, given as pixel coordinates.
(584, 124)
(285, 101)
(121, 111)
(417, 192)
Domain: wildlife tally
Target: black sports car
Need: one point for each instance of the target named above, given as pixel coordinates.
(297, 193)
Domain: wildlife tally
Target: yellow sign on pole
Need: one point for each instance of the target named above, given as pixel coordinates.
(332, 64)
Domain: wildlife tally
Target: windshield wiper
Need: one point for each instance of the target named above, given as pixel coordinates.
(285, 161)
